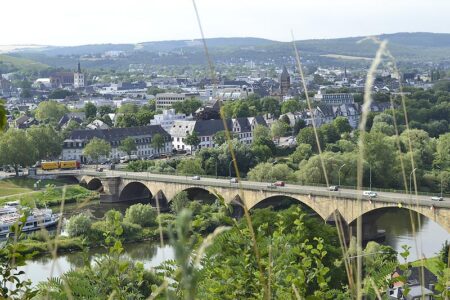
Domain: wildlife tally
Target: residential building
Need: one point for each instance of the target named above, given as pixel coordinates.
(334, 99)
(78, 117)
(24, 122)
(206, 129)
(167, 118)
(74, 145)
(420, 282)
(78, 78)
(165, 100)
(97, 125)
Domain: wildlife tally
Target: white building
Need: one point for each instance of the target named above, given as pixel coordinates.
(165, 100)
(74, 145)
(167, 118)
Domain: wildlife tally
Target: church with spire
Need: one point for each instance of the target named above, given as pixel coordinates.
(78, 78)
(285, 82)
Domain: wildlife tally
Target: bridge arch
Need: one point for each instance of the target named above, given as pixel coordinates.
(95, 184)
(286, 201)
(135, 191)
(431, 213)
(196, 193)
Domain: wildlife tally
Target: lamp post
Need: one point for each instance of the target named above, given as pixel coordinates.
(229, 167)
(440, 175)
(410, 180)
(370, 177)
(339, 174)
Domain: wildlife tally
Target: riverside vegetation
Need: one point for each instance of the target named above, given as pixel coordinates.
(285, 254)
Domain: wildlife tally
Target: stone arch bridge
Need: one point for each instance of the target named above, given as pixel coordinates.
(349, 204)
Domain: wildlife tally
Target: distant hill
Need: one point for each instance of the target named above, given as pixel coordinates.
(418, 47)
(10, 63)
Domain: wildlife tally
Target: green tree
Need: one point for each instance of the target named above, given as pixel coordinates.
(128, 145)
(3, 121)
(279, 129)
(79, 225)
(269, 172)
(127, 120)
(90, 110)
(50, 111)
(17, 149)
(191, 166)
(307, 136)
(303, 151)
(128, 108)
(290, 105)
(141, 214)
(271, 105)
(329, 133)
(144, 116)
(96, 148)
(104, 110)
(179, 202)
(342, 125)
(188, 106)
(192, 139)
(241, 110)
(46, 140)
(442, 157)
(299, 124)
(158, 142)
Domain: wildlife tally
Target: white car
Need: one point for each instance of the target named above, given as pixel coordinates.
(370, 194)
(437, 198)
(196, 177)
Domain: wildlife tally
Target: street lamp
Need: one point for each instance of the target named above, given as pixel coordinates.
(339, 174)
(440, 175)
(410, 180)
(370, 177)
(229, 167)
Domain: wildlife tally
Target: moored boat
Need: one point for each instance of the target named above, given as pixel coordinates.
(36, 219)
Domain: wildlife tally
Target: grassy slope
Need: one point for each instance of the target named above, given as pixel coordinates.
(14, 186)
(22, 63)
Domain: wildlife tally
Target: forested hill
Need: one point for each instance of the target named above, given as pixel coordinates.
(406, 47)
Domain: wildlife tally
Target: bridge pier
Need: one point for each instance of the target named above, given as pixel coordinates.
(111, 190)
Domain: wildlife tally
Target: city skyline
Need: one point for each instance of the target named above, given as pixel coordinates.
(87, 22)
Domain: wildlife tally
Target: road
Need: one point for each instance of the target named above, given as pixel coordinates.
(389, 197)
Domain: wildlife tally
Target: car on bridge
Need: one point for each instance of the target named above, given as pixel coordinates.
(370, 194)
(437, 198)
(234, 180)
(196, 177)
(279, 183)
(334, 188)
(271, 186)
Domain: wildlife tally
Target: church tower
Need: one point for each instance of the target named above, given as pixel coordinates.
(285, 82)
(78, 78)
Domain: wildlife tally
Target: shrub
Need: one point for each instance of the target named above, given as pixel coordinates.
(131, 231)
(141, 214)
(179, 202)
(78, 225)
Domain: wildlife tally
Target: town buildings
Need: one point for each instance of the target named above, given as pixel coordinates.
(166, 100)
(167, 118)
(78, 139)
(78, 78)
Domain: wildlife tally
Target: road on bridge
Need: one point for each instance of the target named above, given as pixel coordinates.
(391, 197)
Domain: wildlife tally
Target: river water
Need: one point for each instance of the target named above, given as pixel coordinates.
(427, 240)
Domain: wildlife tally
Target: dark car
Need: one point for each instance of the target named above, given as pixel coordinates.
(279, 183)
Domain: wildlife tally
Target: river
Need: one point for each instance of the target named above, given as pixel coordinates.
(427, 240)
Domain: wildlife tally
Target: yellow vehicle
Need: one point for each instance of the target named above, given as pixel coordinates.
(49, 165)
(69, 164)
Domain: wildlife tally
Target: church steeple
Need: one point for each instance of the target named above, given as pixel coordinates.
(79, 67)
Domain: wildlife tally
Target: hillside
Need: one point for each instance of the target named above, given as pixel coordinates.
(406, 47)
(10, 63)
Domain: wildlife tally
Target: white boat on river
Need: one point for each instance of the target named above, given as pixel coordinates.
(36, 219)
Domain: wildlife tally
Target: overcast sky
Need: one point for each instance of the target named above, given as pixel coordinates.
(75, 22)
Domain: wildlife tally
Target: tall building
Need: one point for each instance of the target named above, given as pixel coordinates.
(285, 82)
(78, 78)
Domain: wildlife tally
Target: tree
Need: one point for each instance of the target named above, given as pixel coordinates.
(342, 125)
(191, 166)
(241, 110)
(97, 148)
(279, 129)
(60, 94)
(180, 201)
(329, 133)
(3, 120)
(299, 124)
(290, 105)
(303, 151)
(187, 107)
(144, 116)
(50, 111)
(153, 90)
(128, 108)
(90, 110)
(158, 142)
(271, 105)
(269, 172)
(141, 214)
(192, 140)
(442, 157)
(128, 145)
(46, 140)
(78, 225)
(104, 110)
(17, 149)
(127, 120)
(307, 136)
